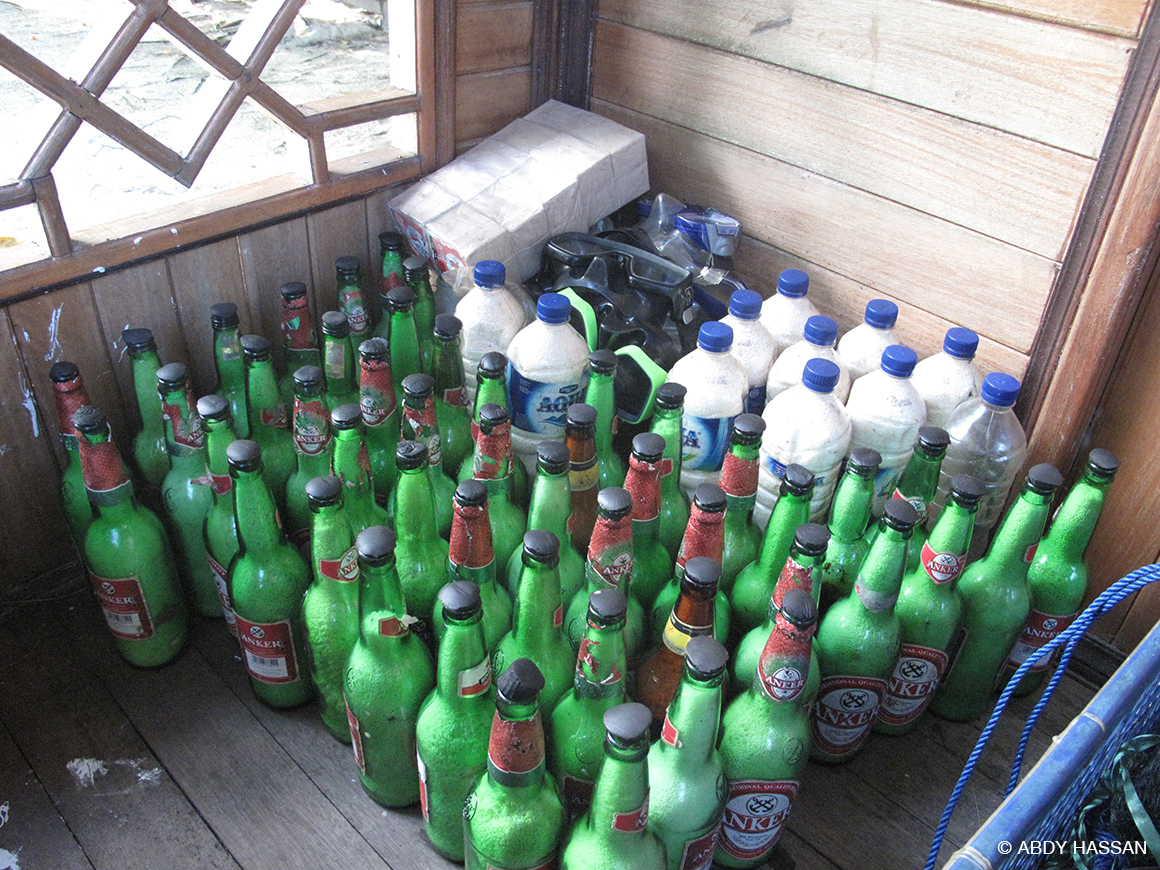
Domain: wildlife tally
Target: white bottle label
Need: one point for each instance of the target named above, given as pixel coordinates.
(912, 685)
(755, 813)
(704, 441)
(845, 709)
(541, 407)
(123, 604)
(268, 649)
(1039, 630)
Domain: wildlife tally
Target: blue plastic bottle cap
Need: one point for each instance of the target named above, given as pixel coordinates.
(745, 304)
(1000, 389)
(715, 337)
(793, 283)
(553, 308)
(821, 375)
(961, 343)
(881, 313)
(899, 360)
(821, 330)
(490, 273)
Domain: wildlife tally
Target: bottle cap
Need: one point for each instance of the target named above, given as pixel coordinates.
(308, 377)
(324, 491)
(90, 420)
(1103, 463)
(542, 546)
(900, 514)
(553, 308)
(603, 362)
(375, 349)
(865, 461)
(400, 300)
(614, 502)
(460, 600)
(553, 457)
(1000, 389)
(521, 682)
(1044, 478)
(581, 414)
(798, 608)
(648, 447)
(138, 338)
(820, 330)
(64, 371)
(798, 480)
(255, 348)
(471, 493)
(747, 429)
(745, 305)
(490, 273)
(934, 440)
(244, 454)
(415, 269)
(705, 657)
(607, 606)
(213, 407)
(347, 416)
(715, 337)
(627, 724)
(171, 376)
(493, 365)
(410, 455)
(671, 395)
(899, 360)
(418, 386)
(812, 539)
(293, 290)
(223, 315)
(389, 240)
(960, 342)
(334, 323)
(710, 498)
(821, 375)
(376, 545)
(346, 264)
(881, 313)
(492, 415)
(967, 490)
(793, 283)
(703, 573)
(447, 325)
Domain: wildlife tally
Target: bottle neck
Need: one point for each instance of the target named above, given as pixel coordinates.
(1075, 522)
(312, 436)
(489, 391)
(852, 503)
(106, 478)
(919, 482)
(739, 474)
(538, 613)
(378, 398)
(464, 671)
(332, 546)
(620, 798)
(227, 356)
(352, 463)
(880, 577)
(448, 372)
(789, 512)
(423, 426)
(600, 662)
(690, 727)
(415, 511)
(145, 366)
(551, 504)
(471, 545)
(784, 666)
(515, 750)
(184, 435)
(219, 435)
(298, 327)
(382, 612)
(643, 483)
(392, 274)
(798, 573)
(70, 397)
(667, 424)
(609, 564)
(338, 364)
(493, 453)
(266, 408)
(601, 396)
(1020, 530)
(704, 536)
(258, 527)
(404, 342)
(943, 555)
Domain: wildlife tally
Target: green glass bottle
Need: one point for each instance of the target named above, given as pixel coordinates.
(228, 362)
(919, 483)
(686, 770)
(670, 405)
(350, 463)
(1058, 575)
(68, 390)
(849, 519)
(859, 642)
(451, 734)
(221, 526)
(512, 820)
(127, 554)
(269, 425)
(299, 339)
(267, 579)
(451, 406)
(313, 448)
(583, 475)
(538, 619)
(419, 280)
(651, 565)
(379, 404)
(739, 481)
(392, 250)
(601, 395)
(493, 465)
(491, 389)
(574, 734)
(929, 610)
(338, 359)
(400, 331)
(330, 608)
(351, 302)
(185, 492)
(421, 555)
(149, 454)
(996, 601)
(388, 675)
(765, 737)
(421, 424)
(614, 833)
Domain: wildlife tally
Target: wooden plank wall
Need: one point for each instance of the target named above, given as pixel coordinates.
(493, 63)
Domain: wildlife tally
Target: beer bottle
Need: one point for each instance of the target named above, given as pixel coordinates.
(419, 280)
(127, 553)
(421, 424)
(669, 406)
(491, 389)
(551, 506)
(330, 608)
(583, 475)
(754, 584)
(858, 643)
(299, 339)
(338, 359)
(601, 395)
(350, 463)
(185, 492)
(313, 448)
(221, 527)
(228, 363)
(69, 391)
(392, 250)
(451, 406)
(686, 770)
(388, 675)
(421, 554)
(574, 734)
(996, 601)
(149, 453)
(919, 483)
(379, 404)
(651, 565)
(929, 610)
(405, 356)
(472, 558)
(849, 520)
(267, 579)
(350, 296)
(493, 465)
(739, 480)
(614, 832)
(268, 424)
(451, 734)
(537, 621)
(1057, 578)
(512, 820)
(765, 736)
(691, 616)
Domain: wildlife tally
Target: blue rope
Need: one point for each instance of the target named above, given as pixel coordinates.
(1068, 638)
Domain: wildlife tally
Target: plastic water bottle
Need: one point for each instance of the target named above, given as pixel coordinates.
(861, 348)
(947, 379)
(785, 313)
(547, 372)
(987, 442)
(717, 387)
(804, 425)
(886, 412)
(753, 346)
(491, 317)
(817, 342)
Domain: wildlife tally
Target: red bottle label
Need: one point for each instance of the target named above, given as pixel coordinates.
(377, 389)
(845, 709)
(344, 570)
(1039, 630)
(296, 324)
(274, 416)
(589, 660)
(456, 397)
(423, 799)
(423, 426)
(669, 733)
(755, 812)
(221, 483)
(493, 452)
(515, 748)
(918, 503)
(644, 485)
(633, 822)
(739, 476)
(471, 543)
(268, 648)
(223, 589)
(475, 680)
(124, 606)
(784, 684)
(610, 551)
(558, 617)
(1030, 553)
(187, 430)
(704, 536)
(941, 567)
(393, 627)
(698, 853)
(356, 740)
(311, 428)
(912, 685)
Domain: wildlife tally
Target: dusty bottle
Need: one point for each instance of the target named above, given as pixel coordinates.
(419, 280)
(753, 345)
(350, 463)
(493, 465)
(491, 390)
(583, 474)
(338, 359)
(149, 454)
(996, 601)
(686, 770)
(399, 329)
(816, 342)
(451, 734)
(513, 819)
(127, 554)
(392, 251)
(221, 527)
(227, 360)
(348, 277)
(68, 390)
(859, 642)
(421, 555)
(614, 832)
(269, 425)
(651, 565)
(388, 675)
(861, 348)
(450, 397)
(739, 481)
(785, 313)
(491, 317)
(380, 414)
(313, 447)
(919, 483)
(421, 424)
(949, 378)
(670, 403)
(574, 735)
(601, 395)
(471, 557)
(929, 610)
(849, 520)
(267, 579)
(299, 338)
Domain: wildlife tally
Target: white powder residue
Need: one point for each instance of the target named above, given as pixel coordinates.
(9, 860)
(117, 776)
(29, 403)
(85, 770)
(3, 814)
(54, 348)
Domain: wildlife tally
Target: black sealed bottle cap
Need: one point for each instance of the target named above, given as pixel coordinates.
(671, 395)
(648, 447)
(521, 682)
(864, 461)
(582, 415)
(346, 416)
(138, 338)
(415, 269)
(705, 657)
(391, 241)
(607, 606)
(418, 386)
(375, 349)
(447, 325)
(410, 455)
(747, 430)
(471, 493)
(492, 415)
(710, 498)
(89, 419)
(614, 502)
(812, 539)
(400, 299)
(255, 348)
(900, 514)
(324, 491)
(213, 407)
(1103, 463)
(627, 724)
(798, 607)
(223, 315)
(293, 290)
(967, 490)
(493, 365)
(171, 376)
(308, 377)
(347, 264)
(244, 454)
(1044, 478)
(376, 545)
(933, 439)
(553, 457)
(798, 480)
(703, 572)
(542, 546)
(603, 362)
(335, 324)
(62, 372)
(460, 600)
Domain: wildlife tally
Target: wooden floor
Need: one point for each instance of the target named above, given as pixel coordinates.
(109, 767)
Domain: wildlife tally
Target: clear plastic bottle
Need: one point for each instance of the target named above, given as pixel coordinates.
(886, 413)
(987, 442)
(817, 341)
(947, 379)
(785, 313)
(547, 372)
(861, 348)
(805, 425)
(717, 387)
(491, 317)
(753, 346)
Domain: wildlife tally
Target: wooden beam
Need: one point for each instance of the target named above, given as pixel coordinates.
(444, 133)
(577, 24)
(16, 194)
(427, 84)
(347, 110)
(279, 107)
(51, 217)
(203, 48)
(545, 54)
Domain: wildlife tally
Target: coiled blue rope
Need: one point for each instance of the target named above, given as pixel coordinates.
(1068, 639)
